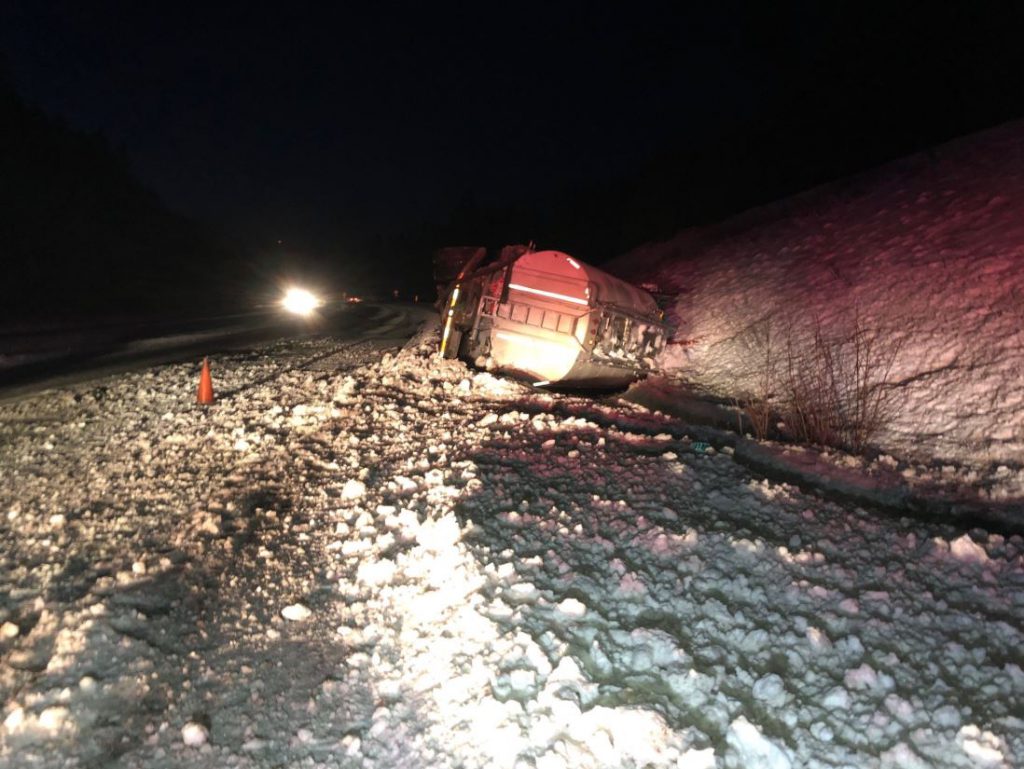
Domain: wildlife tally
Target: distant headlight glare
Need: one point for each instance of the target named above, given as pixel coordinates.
(300, 301)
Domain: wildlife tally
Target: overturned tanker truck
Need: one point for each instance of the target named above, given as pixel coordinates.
(547, 317)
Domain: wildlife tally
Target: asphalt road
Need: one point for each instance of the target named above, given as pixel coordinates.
(37, 359)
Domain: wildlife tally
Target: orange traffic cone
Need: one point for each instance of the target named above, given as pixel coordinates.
(205, 395)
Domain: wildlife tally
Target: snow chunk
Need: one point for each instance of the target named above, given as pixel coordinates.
(434, 478)
(522, 592)
(836, 699)
(440, 534)
(770, 690)
(405, 485)
(631, 585)
(697, 759)
(376, 572)
(984, 748)
(345, 390)
(903, 756)
(748, 747)
(849, 606)
(353, 489)
(966, 549)
(863, 677)
(818, 638)
(14, 720)
(53, 718)
(206, 522)
(296, 612)
(194, 735)
(572, 607)
(522, 681)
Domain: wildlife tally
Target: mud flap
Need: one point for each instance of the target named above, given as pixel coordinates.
(451, 348)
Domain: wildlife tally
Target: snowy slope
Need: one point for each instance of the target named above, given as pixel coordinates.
(928, 252)
(386, 560)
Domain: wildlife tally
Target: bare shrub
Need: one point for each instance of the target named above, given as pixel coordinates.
(809, 402)
(829, 386)
(838, 388)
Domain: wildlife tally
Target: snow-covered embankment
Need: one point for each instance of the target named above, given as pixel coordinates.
(925, 254)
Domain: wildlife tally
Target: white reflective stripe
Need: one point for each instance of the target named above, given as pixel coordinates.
(573, 262)
(552, 294)
(533, 341)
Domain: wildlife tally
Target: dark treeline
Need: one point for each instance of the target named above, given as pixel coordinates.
(80, 236)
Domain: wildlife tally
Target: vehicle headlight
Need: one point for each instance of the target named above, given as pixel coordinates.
(300, 301)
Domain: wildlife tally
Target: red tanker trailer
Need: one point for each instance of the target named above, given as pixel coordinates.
(548, 317)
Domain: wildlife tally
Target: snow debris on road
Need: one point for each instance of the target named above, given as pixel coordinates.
(410, 564)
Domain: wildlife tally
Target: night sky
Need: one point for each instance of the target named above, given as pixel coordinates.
(333, 129)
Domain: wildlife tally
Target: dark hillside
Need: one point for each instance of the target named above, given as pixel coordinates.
(79, 235)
